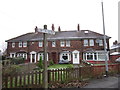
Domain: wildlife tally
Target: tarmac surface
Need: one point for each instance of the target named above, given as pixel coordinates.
(105, 82)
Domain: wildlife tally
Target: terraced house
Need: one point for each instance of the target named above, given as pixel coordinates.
(71, 45)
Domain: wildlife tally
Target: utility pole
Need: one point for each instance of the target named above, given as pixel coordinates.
(45, 73)
(105, 51)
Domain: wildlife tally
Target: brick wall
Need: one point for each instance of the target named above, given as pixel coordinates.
(74, 45)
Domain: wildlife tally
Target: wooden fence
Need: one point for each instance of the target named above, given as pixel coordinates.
(35, 78)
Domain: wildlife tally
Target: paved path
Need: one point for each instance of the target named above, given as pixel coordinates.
(106, 82)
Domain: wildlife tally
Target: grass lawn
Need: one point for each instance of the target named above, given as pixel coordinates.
(58, 66)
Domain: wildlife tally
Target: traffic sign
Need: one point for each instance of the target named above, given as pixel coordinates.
(46, 31)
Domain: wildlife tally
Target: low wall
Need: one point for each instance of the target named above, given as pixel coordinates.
(101, 69)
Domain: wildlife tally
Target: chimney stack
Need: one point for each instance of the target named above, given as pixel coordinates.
(36, 29)
(45, 26)
(59, 29)
(114, 43)
(53, 28)
(78, 27)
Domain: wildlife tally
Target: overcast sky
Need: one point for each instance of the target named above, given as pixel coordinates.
(21, 16)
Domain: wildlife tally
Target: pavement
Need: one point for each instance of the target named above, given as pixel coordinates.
(105, 82)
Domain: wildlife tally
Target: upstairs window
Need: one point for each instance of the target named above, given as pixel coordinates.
(100, 42)
(67, 43)
(24, 44)
(20, 44)
(62, 43)
(13, 45)
(53, 43)
(85, 42)
(40, 44)
(91, 42)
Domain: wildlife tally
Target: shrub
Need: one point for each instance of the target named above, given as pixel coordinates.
(51, 62)
(40, 64)
(17, 60)
(13, 69)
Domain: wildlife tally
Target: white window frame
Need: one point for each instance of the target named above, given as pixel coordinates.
(24, 44)
(12, 55)
(91, 42)
(40, 43)
(67, 43)
(76, 55)
(42, 55)
(62, 43)
(20, 44)
(13, 45)
(98, 55)
(100, 42)
(85, 42)
(53, 44)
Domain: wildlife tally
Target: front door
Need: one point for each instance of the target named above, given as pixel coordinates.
(54, 57)
(76, 59)
(33, 57)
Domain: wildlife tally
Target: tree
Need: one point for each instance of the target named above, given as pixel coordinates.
(40, 64)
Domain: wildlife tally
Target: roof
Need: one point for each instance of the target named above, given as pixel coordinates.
(115, 46)
(118, 59)
(115, 53)
(59, 36)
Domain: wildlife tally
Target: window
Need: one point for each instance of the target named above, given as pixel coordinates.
(95, 56)
(62, 43)
(100, 42)
(24, 44)
(91, 42)
(67, 43)
(86, 42)
(75, 55)
(53, 43)
(89, 56)
(40, 44)
(13, 45)
(20, 44)
(100, 56)
(12, 55)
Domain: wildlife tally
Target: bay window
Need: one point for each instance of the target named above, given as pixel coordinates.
(99, 56)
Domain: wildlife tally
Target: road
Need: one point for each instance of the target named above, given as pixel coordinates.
(105, 82)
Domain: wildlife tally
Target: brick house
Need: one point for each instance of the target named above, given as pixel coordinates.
(72, 45)
(115, 51)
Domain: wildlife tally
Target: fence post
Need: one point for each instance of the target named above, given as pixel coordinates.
(49, 76)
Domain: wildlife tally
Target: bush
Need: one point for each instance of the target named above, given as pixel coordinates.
(40, 64)
(17, 60)
(51, 62)
(11, 70)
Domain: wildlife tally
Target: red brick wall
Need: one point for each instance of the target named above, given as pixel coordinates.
(75, 45)
(114, 57)
(100, 70)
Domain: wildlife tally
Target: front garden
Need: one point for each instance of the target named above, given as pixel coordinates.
(59, 75)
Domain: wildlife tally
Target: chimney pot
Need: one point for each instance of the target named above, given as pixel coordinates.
(53, 28)
(36, 29)
(78, 27)
(45, 26)
(59, 29)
